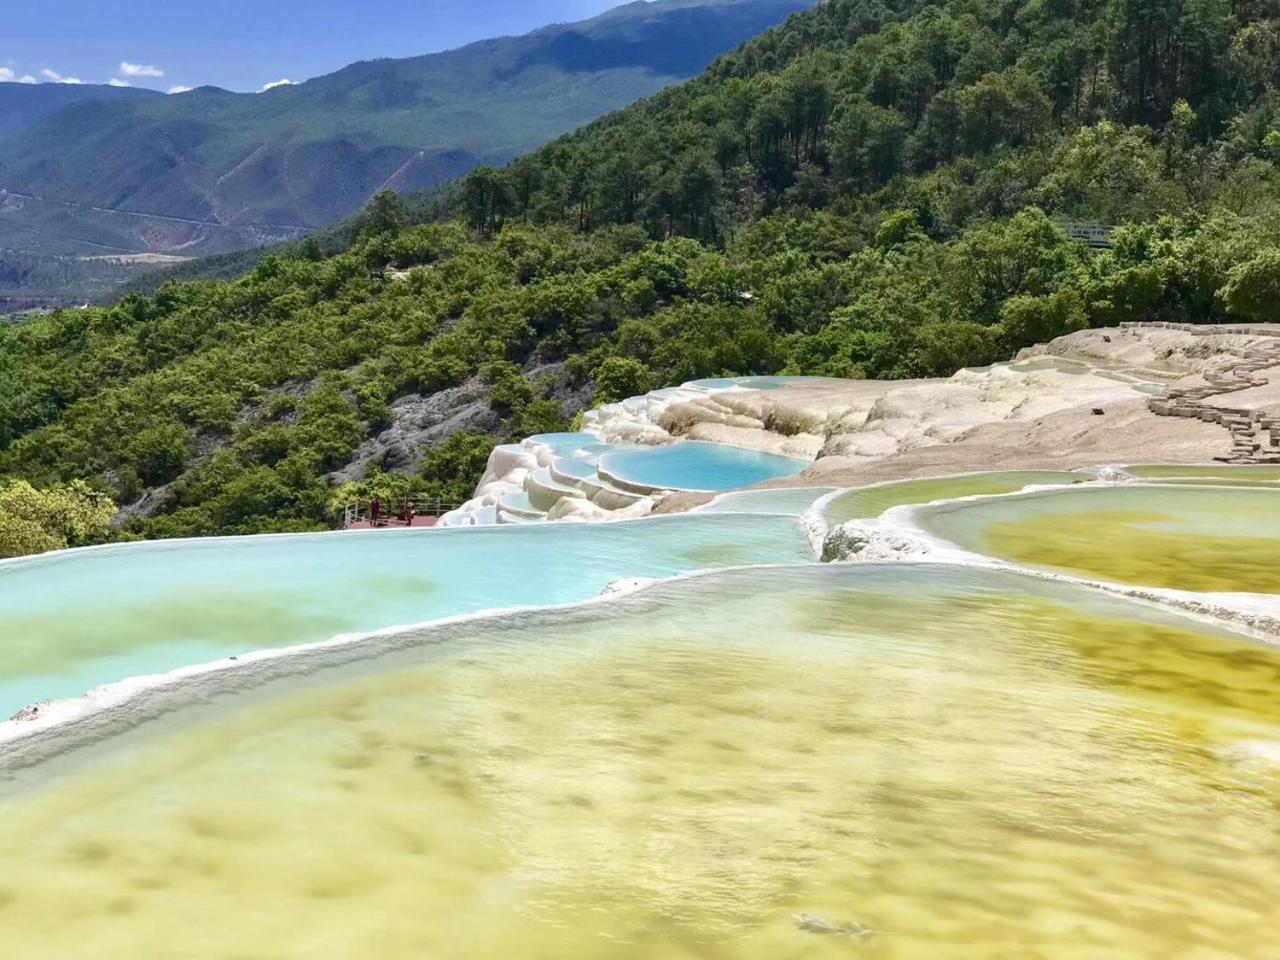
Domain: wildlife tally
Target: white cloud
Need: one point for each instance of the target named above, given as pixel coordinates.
(128, 69)
(54, 77)
(7, 75)
(179, 89)
(117, 82)
(277, 83)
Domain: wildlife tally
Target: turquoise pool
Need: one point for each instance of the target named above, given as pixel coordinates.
(77, 620)
(791, 500)
(575, 468)
(693, 465)
(563, 444)
(749, 383)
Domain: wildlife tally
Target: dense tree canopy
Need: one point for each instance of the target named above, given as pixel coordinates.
(876, 189)
(36, 521)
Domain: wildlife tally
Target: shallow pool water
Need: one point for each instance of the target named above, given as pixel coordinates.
(867, 502)
(1251, 473)
(693, 465)
(748, 383)
(578, 468)
(563, 444)
(965, 763)
(792, 500)
(1181, 537)
(73, 621)
(1054, 364)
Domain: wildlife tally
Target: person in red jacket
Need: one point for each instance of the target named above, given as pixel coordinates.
(375, 510)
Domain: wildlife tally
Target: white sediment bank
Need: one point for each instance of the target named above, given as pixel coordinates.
(897, 535)
(64, 726)
(1081, 399)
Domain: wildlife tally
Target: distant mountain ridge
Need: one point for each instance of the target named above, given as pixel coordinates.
(210, 171)
(23, 105)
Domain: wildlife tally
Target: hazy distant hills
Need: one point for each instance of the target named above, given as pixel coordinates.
(210, 171)
(23, 105)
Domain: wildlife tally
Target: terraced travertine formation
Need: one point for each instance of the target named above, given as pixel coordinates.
(1254, 428)
(1139, 393)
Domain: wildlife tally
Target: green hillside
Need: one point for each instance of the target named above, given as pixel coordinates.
(873, 189)
(211, 171)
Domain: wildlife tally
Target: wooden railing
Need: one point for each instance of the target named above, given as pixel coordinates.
(1095, 235)
(393, 511)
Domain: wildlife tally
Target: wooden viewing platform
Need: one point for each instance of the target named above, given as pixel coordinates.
(426, 513)
(1095, 235)
(393, 523)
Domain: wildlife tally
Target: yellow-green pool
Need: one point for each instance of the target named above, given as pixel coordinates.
(1233, 473)
(1198, 538)
(866, 502)
(961, 763)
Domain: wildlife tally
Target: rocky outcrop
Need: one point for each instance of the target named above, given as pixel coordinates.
(418, 422)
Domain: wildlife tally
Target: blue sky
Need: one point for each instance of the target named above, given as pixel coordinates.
(246, 44)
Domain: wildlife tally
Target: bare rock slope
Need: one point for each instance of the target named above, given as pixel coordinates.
(1141, 393)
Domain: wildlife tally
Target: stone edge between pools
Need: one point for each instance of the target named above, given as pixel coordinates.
(108, 701)
(897, 535)
(122, 707)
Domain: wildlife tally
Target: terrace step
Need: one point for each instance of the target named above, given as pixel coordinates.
(1255, 435)
(519, 505)
(544, 492)
(573, 473)
(504, 517)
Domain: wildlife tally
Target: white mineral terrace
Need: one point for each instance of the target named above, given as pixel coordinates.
(1087, 398)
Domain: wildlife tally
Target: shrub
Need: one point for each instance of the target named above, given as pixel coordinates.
(35, 521)
(1253, 291)
(453, 467)
(620, 377)
(159, 454)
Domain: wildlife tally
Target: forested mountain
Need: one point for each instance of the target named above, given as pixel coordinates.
(873, 189)
(210, 171)
(25, 104)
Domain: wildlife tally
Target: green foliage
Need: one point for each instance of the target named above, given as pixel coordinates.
(538, 416)
(1026, 320)
(159, 453)
(451, 468)
(384, 214)
(1253, 292)
(898, 228)
(35, 521)
(510, 394)
(620, 377)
